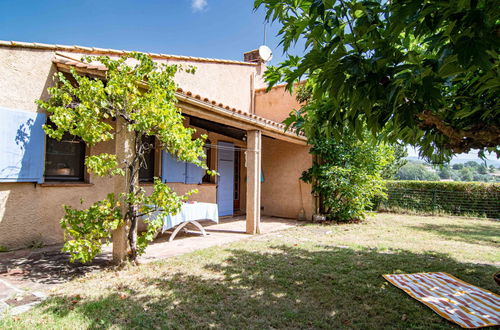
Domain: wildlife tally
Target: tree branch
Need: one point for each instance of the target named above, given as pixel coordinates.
(462, 140)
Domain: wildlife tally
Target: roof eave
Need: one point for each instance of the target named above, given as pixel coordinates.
(117, 52)
(237, 117)
(245, 121)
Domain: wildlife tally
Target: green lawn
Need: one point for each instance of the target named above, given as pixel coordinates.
(312, 276)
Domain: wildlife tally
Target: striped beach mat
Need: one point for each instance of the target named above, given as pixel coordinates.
(465, 304)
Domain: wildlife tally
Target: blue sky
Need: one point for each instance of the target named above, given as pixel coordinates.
(206, 28)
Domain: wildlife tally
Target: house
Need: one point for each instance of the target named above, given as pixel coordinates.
(258, 161)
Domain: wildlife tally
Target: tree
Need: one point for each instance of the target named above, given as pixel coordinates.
(413, 171)
(458, 166)
(346, 171)
(422, 72)
(472, 164)
(467, 174)
(445, 173)
(482, 169)
(399, 160)
(138, 96)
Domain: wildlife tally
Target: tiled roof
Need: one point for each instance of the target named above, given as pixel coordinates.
(188, 94)
(104, 51)
(234, 110)
(78, 64)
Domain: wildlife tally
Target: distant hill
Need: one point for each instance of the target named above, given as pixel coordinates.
(457, 160)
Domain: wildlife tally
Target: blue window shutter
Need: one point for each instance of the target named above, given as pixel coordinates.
(172, 170)
(194, 174)
(22, 146)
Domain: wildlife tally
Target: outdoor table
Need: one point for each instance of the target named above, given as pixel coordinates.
(190, 212)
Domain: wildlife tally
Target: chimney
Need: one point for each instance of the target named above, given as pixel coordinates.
(252, 56)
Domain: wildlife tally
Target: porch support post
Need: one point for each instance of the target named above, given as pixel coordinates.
(254, 156)
(124, 152)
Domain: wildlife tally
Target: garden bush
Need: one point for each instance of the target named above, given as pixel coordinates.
(438, 197)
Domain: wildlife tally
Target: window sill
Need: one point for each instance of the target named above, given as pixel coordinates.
(66, 184)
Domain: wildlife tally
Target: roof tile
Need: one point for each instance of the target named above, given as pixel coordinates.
(96, 50)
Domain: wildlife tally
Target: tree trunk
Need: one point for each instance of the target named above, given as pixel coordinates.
(125, 148)
(132, 215)
(134, 168)
(132, 238)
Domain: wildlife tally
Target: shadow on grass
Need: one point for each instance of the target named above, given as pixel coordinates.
(49, 266)
(475, 233)
(285, 287)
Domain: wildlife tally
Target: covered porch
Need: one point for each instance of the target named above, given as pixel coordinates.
(265, 161)
(258, 161)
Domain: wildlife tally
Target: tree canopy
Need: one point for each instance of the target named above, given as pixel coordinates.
(413, 171)
(422, 72)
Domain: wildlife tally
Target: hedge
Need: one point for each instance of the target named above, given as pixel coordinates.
(443, 197)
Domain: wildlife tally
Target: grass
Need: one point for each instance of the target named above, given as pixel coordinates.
(314, 276)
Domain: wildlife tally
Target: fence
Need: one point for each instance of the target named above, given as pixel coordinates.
(455, 198)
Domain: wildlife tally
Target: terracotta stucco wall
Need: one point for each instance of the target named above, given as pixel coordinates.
(32, 212)
(25, 75)
(230, 84)
(282, 165)
(275, 104)
(29, 211)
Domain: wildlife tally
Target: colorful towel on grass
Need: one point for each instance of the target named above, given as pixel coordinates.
(455, 300)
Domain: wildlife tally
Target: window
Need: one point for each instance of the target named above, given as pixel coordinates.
(147, 170)
(174, 170)
(207, 178)
(65, 159)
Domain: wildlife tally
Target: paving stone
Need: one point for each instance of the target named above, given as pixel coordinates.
(6, 291)
(39, 294)
(23, 308)
(3, 308)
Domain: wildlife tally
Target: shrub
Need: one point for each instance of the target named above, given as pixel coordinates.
(347, 173)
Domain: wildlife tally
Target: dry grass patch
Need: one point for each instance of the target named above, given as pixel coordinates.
(307, 277)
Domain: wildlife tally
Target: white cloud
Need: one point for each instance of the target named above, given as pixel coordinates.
(199, 5)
